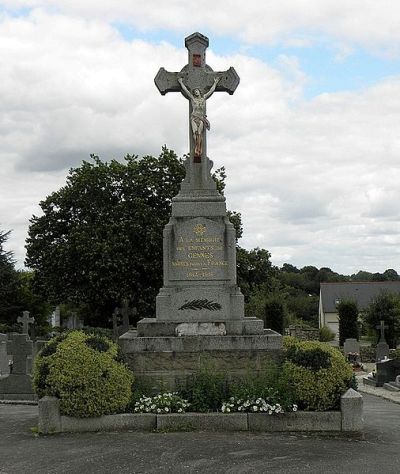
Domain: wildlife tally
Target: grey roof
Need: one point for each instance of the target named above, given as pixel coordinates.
(361, 291)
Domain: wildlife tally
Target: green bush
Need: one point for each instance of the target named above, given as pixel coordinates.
(83, 371)
(395, 354)
(326, 334)
(206, 390)
(330, 376)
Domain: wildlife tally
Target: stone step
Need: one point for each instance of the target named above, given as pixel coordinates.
(391, 386)
(369, 381)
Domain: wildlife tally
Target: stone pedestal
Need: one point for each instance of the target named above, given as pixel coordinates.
(167, 362)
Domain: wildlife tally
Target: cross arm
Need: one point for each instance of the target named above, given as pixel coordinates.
(167, 81)
(229, 80)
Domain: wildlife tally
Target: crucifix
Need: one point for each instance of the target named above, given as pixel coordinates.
(382, 326)
(197, 82)
(26, 321)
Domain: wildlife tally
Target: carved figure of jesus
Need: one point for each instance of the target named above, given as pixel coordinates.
(198, 118)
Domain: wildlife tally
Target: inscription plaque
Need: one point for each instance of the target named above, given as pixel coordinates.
(199, 251)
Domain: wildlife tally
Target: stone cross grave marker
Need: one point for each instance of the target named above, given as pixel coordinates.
(382, 326)
(382, 348)
(125, 311)
(26, 320)
(21, 347)
(197, 82)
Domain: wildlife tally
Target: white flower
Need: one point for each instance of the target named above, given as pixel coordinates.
(180, 410)
(158, 410)
(166, 409)
(255, 408)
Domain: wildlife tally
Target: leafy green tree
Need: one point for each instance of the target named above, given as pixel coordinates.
(38, 307)
(99, 239)
(348, 320)
(254, 269)
(386, 307)
(10, 298)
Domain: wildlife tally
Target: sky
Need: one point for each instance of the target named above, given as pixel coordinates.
(310, 139)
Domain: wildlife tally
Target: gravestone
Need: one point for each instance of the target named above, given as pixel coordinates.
(382, 348)
(73, 322)
(55, 318)
(351, 349)
(200, 308)
(25, 320)
(121, 315)
(18, 384)
(4, 358)
(387, 371)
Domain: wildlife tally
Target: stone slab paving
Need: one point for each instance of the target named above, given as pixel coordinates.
(377, 391)
(377, 450)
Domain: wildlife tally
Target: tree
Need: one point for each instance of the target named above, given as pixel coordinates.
(348, 320)
(386, 307)
(254, 269)
(10, 303)
(99, 239)
(274, 313)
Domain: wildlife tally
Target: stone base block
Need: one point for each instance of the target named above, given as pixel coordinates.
(299, 421)
(152, 327)
(120, 422)
(202, 422)
(168, 362)
(369, 381)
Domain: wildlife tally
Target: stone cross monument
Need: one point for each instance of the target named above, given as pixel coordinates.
(200, 308)
(200, 294)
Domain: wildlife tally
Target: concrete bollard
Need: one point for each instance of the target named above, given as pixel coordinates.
(351, 406)
(49, 415)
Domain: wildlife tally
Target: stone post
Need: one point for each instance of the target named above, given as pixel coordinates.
(49, 415)
(351, 406)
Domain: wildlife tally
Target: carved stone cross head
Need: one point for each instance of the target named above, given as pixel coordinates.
(26, 320)
(197, 82)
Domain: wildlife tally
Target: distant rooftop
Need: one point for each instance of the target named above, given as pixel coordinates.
(361, 291)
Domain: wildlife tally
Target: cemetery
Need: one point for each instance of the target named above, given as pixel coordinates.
(201, 363)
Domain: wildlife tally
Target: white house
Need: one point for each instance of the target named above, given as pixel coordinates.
(360, 291)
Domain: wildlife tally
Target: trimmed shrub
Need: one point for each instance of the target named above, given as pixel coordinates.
(348, 320)
(82, 370)
(317, 375)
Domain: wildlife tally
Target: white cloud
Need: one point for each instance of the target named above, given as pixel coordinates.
(316, 181)
(369, 23)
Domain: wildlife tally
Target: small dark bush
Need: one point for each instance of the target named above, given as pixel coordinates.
(206, 390)
(98, 343)
(51, 347)
(314, 358)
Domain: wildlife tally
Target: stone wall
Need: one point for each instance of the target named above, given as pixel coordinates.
(169, 362)
(303, 334)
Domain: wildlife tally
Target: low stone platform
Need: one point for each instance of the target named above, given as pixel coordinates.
(348, 419)
(167, 362)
